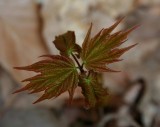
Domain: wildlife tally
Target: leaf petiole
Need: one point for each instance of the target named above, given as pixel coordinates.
(79, 66)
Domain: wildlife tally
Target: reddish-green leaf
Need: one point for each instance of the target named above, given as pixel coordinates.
(93, 91)
(103, 48)
(65, 43)
(57, 74)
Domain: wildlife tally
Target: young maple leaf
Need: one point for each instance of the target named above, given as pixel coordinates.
(92, 90)
(57, 75)
(103, 48)
(65, 43)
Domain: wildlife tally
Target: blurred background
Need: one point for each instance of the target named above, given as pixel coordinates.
(27, 29)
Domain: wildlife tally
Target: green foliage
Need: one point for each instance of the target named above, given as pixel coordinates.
(92, 90)
(66, 44)
(103, 48)
(59, 73)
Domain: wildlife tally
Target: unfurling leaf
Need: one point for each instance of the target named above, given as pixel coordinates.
(103, 48)
(57, 75)
(65, 43)
(92, 90)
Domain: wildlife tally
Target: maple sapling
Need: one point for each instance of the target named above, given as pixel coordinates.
(77, 66)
